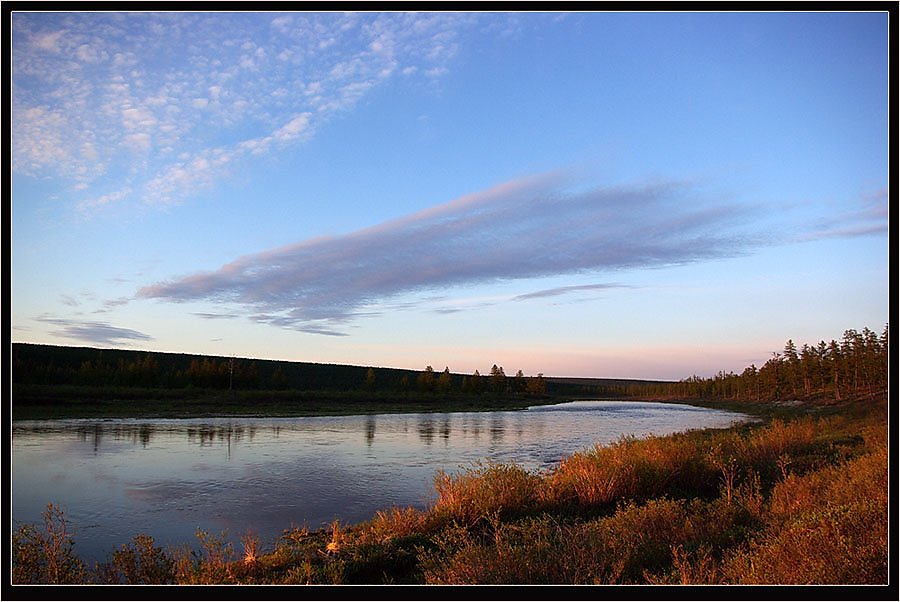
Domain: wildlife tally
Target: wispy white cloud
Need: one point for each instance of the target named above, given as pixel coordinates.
(524, 229)
(164, 104)
(113, 197)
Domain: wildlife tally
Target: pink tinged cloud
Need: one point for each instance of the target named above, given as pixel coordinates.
(95, 332)
(522, 229)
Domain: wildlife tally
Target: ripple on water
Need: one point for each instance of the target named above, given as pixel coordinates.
(169, 477)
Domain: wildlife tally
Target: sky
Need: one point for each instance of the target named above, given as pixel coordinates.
(622, 195)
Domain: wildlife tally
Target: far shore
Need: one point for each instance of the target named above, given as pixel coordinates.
(43, 402)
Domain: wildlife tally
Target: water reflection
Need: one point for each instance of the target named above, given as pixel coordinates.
(497, 429)
(540, 424)
(116, 478)
(426, 428)
(95, 433)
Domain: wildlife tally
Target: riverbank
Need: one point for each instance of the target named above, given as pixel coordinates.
(48, 402)
(799, 499)
(54, 402)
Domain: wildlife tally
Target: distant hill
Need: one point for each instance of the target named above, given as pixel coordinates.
(90, 366)
(603, 382)
(52, 364)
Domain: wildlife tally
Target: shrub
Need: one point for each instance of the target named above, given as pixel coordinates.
(46, 557)
(484, 491)
(396, 523)
(632, 469)
(636, 539)
(209, 566)
(783, 438)
(688, 568)
(613, 549)
(532, 551)
(827, 527)
(138, 563)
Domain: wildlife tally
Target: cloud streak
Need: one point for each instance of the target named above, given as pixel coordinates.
(101, 333)
(565, 290)
(868, 216)
(523, 229)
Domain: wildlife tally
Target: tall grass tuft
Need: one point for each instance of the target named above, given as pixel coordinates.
(396, 523)
(477, 494)
(631, 469)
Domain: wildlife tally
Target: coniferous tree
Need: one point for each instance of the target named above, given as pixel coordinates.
(476, 384)
(426, 379)
(369, 384)
(445, 381)
(498, 379)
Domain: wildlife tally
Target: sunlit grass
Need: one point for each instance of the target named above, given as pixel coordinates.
(800, 500)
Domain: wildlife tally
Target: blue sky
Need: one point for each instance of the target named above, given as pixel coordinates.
(635, 195)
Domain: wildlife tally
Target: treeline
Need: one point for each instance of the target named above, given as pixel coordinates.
(89, 367)
(495, 382)
(857, 365)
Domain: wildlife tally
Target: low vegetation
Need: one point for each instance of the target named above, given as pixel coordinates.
(799, 499)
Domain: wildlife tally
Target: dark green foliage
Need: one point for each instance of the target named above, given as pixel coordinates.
(50, 365)
(853, 367)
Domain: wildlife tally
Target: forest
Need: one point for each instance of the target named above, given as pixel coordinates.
(857, 365)
(98, 369)
(797, 496)
(854, 366)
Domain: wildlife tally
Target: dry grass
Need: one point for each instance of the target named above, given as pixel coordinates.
(485, 491)
(829, 527)
(793, 501)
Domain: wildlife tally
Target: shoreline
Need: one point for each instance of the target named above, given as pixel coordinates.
(41, 402)
(48, 402)
(678, 483)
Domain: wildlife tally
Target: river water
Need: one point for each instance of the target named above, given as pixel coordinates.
(168, 478)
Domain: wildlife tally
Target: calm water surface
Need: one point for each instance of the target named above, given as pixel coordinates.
(167, 478)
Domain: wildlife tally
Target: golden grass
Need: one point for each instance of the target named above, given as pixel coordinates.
(800, 501)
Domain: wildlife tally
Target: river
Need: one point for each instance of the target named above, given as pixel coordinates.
(168, 478)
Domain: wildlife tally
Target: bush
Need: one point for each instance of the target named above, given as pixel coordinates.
(138, 563)
(790, 502)
(396, 523)
(485, 491)
(632, 469)
(835, 520)
(532, 551)
(46, 557)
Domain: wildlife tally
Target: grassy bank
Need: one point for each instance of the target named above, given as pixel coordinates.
(43, 402)
(800, 497)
